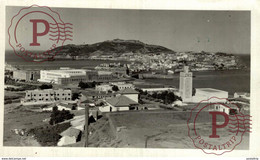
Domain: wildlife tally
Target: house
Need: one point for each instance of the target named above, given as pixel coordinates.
(122, 85)
(26, 75)
(119, 103)
(103, 87)
(69, 136)
(130, 93)
(242, 95)
(229, 109)
(62, 106)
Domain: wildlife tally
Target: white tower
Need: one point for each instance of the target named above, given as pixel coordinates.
(186, 85)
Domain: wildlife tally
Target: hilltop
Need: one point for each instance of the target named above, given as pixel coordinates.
(114, 47)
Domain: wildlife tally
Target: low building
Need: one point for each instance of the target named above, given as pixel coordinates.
(130, 93)
(151, 90)
(208, 94)
(26, 75)
(229, 109)
(47, 95)
(93, 96)
(119, 103)
(104, 87)
(123, 85)
(126, 99)
(242, 95)
(69, 136)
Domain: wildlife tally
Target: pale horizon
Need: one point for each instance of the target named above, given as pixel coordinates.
(178, 30)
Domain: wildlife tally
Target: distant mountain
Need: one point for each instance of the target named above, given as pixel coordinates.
(114, 47)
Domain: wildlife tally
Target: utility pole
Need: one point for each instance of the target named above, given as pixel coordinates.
(86, 125)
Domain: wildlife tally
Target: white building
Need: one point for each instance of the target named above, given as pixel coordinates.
(104, 87)
(158, 89)
(242, 95)
(69, 136)
(62, 76)
(230, 110)
(209, 93)
(130, 93)
(126, 100)
(123, 85)
(186, 85)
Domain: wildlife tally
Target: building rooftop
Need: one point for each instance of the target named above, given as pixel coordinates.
(121, 101)
(70, 72)
(212, 90)
(71, 132)
(104, 73)
(128, 91)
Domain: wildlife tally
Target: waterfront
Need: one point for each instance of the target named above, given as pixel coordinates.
(228, 80)
(12, 59)
(231, 80)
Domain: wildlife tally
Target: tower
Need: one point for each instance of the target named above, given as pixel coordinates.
(186, 85)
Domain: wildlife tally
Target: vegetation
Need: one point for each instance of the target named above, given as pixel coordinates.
(166, 97)
(75, 96)
(116, 46)
(49, 135)
(193, 91)
(115, 88)
(45, 86)
(84, 85)
(59, 116)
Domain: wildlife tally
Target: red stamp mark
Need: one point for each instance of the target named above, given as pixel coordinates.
(217, 126)
(37, 33)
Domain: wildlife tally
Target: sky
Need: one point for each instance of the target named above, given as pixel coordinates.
(179, 30)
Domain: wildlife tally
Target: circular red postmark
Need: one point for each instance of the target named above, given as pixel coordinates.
(217, 126)
(37, 33)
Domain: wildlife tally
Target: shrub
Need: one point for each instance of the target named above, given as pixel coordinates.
(60, 116)
(49, 135)
(45, 86)
(115, 88)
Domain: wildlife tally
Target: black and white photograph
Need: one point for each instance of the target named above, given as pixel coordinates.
(127, 78)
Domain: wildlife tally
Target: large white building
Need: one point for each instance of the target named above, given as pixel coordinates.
(210, 94)
(186, 85)
(67, 76)
(62, 76)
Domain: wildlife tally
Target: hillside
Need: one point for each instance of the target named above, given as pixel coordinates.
(114, 47)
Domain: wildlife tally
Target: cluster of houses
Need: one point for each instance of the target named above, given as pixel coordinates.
(197, 61)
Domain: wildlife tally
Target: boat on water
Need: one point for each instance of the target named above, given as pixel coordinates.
(37, 60)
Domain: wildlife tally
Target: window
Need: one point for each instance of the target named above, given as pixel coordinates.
(28, 95)
(46, 99)
(40, 95)
(46, 94)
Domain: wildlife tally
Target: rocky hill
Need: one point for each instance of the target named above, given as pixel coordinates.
(114, 47)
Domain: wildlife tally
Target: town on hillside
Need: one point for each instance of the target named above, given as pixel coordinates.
(52, 105)
(128, 78)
